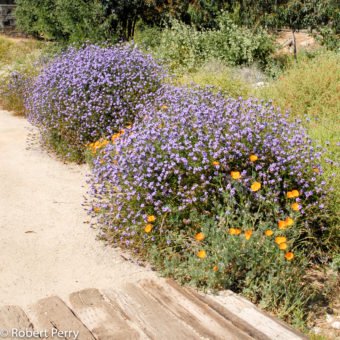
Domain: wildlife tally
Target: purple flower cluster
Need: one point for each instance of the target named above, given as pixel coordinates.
(14, 89)
(181, 153)
(88, 93)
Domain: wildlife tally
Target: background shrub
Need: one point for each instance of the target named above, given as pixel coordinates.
(90, 93)
(183, 47)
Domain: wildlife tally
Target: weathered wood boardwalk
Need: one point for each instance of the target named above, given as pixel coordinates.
(146, 310)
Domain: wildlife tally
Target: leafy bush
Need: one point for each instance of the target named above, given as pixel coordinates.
(64, 20)
(183, 47)
(90, 93)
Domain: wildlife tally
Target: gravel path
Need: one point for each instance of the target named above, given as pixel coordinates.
(46, 248)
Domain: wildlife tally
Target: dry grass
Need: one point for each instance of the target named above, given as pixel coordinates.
(19, 55)
(16, 50)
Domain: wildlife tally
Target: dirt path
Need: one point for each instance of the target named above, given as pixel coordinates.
(45, 247)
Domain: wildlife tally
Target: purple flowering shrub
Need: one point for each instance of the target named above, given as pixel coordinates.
(89, 93)
(14, 89)
(215, 192)
(189, 151)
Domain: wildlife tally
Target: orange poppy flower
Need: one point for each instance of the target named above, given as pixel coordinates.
(248, 234)
(289, 194)
(202, 254)
(199, 237)
(282, 224)
(280, 239)
(253, 158)
(151, 218)
(148, 228)
(164, 107)
(289, 221)
(289, 256)
(256, 186)
(295, 206)
(215, 269)
(283, 246)
(235, 175)
(316, 170)
(269, 232)
(215, 163)
(295, 193)
(234, 231)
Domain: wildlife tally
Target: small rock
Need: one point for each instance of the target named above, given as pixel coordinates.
(316, 330)
(329, 318)
(259, 84)
(336, 325)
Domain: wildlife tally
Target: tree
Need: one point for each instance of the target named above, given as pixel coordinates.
(37, 17)
(308, 14)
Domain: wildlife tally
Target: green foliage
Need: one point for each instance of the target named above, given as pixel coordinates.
(183, 47)
(253, 266)
(38, 18)
(328, 38)
(83, 20)
(63, 20)
(218, 75)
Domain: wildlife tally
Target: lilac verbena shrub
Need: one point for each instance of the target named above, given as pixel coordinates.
(88, 93)
(190, 151)
(14, 89)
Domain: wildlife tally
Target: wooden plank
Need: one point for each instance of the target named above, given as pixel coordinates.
(13, 320)
(106, 320)
(273, 328)
(197, 315)
(245, 315)
(156, 321)
(52, 315)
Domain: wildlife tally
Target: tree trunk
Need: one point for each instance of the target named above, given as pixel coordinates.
(294, 45)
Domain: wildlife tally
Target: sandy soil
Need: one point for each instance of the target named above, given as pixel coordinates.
(45, 247)
(304, 41)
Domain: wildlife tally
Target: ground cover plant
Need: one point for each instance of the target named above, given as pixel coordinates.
(16, 50)
(220, 77)
(90, 93)
(221, 193)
